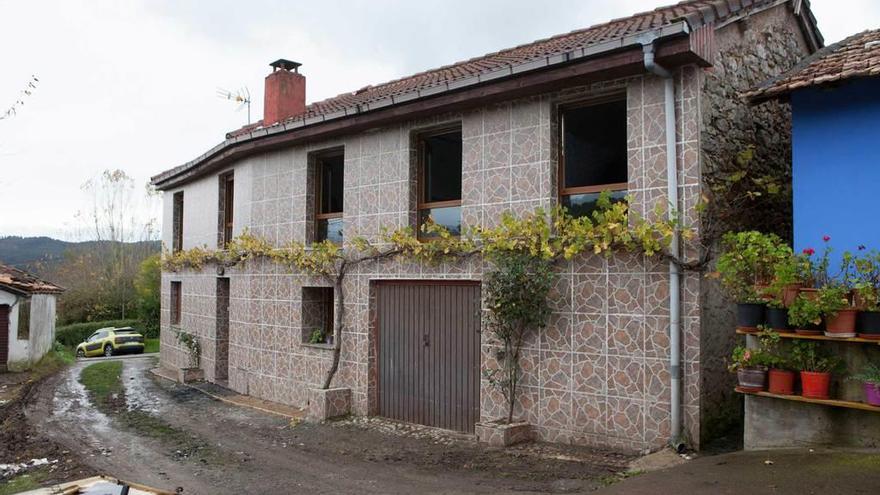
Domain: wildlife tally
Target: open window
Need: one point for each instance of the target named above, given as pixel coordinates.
(176, 298)
(227, 195)
(329, 182)
(593, 154)
(317, 315)
(439, 181)
(177, 222)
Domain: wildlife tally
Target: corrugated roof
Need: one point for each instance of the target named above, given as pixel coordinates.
(856, 56)
(22, 282)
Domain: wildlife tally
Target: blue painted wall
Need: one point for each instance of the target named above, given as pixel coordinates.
(836, 166)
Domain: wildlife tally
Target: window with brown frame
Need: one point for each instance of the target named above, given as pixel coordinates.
(329, 182)
(227, 192)
(439, 179)
(593, 155)
(176, 299)
(177, 222)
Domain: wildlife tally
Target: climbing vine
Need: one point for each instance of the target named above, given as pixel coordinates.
(548, 236)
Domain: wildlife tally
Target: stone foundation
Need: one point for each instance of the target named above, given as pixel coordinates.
(189, 375)
(499, 434)
(328, 404)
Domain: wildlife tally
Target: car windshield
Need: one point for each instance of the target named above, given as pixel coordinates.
(126, 332)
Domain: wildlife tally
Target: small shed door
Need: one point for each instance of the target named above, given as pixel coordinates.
(429, 352)
(4, 335)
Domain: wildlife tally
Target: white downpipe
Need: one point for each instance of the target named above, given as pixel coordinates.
(674, 247)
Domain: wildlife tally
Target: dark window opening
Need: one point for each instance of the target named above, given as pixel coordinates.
(593, 154)
(317, 315)
(177, 222)
(440, 179)
(330, 170)
(24, 320)
(227, 197)
(176, 299)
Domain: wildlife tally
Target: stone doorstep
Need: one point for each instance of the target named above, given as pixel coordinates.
(499, 434)
(329, 403)
(189, 375)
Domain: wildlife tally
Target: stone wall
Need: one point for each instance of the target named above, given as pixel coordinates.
(749, 52)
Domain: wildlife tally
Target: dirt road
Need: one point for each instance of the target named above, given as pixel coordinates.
(205, 446)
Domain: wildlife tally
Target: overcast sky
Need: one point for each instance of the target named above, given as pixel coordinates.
(132, 84)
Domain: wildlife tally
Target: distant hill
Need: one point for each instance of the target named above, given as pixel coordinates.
(29, 252)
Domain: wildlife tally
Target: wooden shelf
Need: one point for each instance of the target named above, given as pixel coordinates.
(792, 335)
(825, 402)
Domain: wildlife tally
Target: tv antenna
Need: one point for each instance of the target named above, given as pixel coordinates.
(242, 97)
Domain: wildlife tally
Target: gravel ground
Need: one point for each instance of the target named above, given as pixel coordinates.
(195, 444)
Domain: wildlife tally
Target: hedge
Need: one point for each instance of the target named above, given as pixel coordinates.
(72, 335)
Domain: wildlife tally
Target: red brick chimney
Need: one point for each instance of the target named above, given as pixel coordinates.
(285, 92)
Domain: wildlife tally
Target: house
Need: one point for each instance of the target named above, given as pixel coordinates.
(835, 102)
(642, 107)
(27, 318)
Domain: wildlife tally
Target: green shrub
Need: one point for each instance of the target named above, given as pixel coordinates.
(72, 335)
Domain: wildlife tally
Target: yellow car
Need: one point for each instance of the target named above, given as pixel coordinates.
(109, 341)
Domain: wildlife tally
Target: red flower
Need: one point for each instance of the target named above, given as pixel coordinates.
(809, 251)
(826, 238)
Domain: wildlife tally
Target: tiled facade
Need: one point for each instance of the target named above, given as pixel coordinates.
(597, 374)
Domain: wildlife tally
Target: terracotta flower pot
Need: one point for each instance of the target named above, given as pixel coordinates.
(872, 393)
(752, 379)
(815, 385)
(842, 325)
(809, 292)
(780, 382)
(790, 293)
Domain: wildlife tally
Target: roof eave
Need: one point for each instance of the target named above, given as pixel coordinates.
(677, 30)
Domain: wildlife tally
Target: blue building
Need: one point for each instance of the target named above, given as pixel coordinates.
(835, 102)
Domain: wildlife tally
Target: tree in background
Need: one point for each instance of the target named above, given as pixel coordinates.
(147, 284)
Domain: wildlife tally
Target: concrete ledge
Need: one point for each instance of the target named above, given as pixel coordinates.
(189, 375)
(498, 434)
(329, 403)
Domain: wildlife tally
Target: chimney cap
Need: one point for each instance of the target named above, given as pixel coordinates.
(284, 64)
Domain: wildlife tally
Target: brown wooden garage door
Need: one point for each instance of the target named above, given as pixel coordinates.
(429, 352)
(4, 335)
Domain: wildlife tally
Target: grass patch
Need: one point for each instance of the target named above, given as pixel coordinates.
(23, 482)
(151, 345)
(611, 479)
(103, 381)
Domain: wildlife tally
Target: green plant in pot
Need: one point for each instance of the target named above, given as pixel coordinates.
(745, 269)
(750, 366)
(780, 376)
(790, 274)
(816, 366)
(837, 311)
(777, 315)
(805, 315)
(870, 378)
(867, 294)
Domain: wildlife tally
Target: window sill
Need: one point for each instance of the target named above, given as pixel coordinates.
(317, 346)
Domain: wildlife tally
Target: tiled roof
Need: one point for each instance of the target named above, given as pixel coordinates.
(512, 61)
(856, 56)
(696, 12)
(20, 281)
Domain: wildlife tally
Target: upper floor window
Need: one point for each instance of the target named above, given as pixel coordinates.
(227, 193)
(593, 154)
(330, 170)
(177, 222)
(440, 179)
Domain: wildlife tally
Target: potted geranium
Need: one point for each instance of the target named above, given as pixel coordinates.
(870, 377)
(805, 315)
(750, 366)
(780, 378)
(745, 269)
(837, 310)
(867, 294)
(790, 274)
(815, 368)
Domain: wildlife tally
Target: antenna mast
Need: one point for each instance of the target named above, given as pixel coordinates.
(242, 96)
